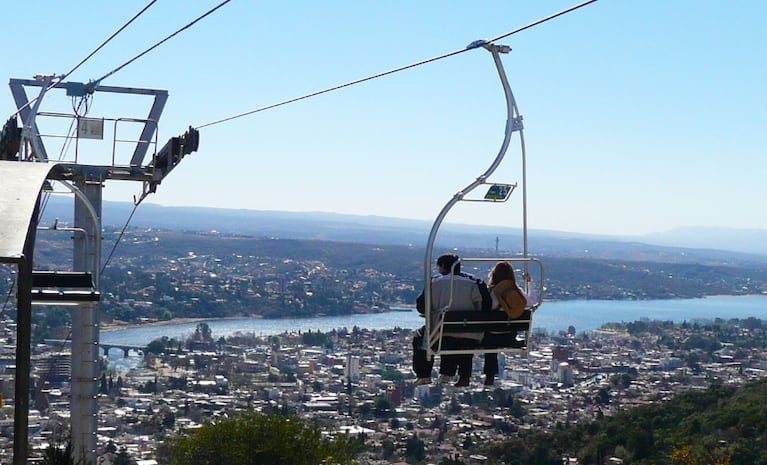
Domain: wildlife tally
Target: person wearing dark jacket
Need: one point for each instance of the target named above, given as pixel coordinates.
(467, 293)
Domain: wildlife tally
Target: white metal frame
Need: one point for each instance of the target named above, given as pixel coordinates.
(523, 265)
(513, 124)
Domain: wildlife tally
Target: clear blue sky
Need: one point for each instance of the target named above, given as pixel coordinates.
(639, 116)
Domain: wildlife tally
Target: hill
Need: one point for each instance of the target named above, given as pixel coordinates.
(723, 424)
(727, 250)
(738, 240)
(164, 274)
(196, 262)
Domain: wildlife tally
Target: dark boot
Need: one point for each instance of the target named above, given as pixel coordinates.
(462, 382)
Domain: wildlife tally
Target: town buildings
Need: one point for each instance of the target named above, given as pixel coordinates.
(360, 382)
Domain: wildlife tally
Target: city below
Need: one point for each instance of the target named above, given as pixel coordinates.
(360, 382)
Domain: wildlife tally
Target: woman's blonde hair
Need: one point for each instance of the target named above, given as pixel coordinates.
(501, 272)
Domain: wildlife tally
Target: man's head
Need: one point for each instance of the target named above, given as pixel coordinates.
(445, 263)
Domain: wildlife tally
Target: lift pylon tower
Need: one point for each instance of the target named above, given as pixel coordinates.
(24, 169)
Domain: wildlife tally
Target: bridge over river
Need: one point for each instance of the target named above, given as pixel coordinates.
(106, 347)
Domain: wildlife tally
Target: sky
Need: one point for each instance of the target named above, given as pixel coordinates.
(639, 117)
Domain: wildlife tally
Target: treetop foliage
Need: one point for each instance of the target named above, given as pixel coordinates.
(724, 425)
(256, 439)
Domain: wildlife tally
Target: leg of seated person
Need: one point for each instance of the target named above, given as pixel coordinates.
(463, 361)
(493, 340)
(422, 366)
(464, 369)
(448, 365)
(491, 368)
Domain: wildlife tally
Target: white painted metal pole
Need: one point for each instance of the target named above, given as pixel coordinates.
(85, 324)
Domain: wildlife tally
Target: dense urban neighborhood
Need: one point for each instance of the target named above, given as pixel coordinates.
(360, 382)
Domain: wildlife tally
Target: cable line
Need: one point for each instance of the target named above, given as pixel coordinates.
(97, 81)
(330, 89)
(119, 238)
(109, 39)
(543, 20)
(471, 46)
(71, 135)
(64, 76)
(8, 296)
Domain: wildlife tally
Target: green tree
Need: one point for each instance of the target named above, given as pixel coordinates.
(603, 396)
(390, 374)
(388, 448)
(157, 346)
(203, 333)
(122, 458)
(382, 409)
(455, 407)
(59, 453)
(111, 447)
(415, 450)
(255, 439)
(640, 442)
(103, 389)
(454, 460)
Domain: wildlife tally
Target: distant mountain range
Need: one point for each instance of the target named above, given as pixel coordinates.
(681, 245)
(739, 240)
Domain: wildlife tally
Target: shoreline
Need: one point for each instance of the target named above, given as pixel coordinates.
(118, 325)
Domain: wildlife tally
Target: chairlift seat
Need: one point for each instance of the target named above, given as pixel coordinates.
(503, 328)
(461, 321)
(56, 287)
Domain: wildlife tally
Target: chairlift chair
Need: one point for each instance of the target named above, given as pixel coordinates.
(458, 320)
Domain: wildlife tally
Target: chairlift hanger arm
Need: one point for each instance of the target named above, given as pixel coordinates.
(513, 123)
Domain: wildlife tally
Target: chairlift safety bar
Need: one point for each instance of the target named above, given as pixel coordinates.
(436, 333)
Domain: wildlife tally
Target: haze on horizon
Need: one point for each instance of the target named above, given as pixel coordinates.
(639, 117)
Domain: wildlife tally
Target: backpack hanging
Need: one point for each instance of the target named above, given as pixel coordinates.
(511, 298)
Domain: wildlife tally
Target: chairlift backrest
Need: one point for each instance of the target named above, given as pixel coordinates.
(450, 320)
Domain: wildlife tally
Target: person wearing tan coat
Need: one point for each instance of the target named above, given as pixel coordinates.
(508, 297)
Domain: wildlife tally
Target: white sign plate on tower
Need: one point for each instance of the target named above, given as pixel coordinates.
(90, 128)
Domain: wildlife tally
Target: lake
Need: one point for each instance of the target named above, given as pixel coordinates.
(584, 315)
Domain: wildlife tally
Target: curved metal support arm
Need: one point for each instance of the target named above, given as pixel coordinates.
(56, 227)
(96, 222)
(512, 115)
